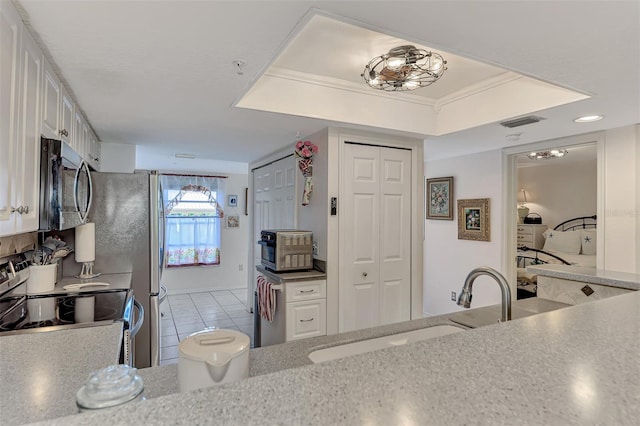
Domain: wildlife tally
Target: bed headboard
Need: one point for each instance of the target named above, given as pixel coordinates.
(584, 222)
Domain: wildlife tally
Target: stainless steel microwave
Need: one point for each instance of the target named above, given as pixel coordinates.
(286, 249)
(65, 186)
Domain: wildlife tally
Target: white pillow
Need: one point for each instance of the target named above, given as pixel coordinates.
(568, 242)
(589, 241)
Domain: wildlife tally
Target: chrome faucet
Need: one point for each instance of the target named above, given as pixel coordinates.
(465, 296)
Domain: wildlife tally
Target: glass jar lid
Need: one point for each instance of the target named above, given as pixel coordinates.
(110, 386)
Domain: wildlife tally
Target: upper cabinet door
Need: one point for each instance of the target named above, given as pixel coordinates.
(67, 111)
(9, 93)
(28, 149)
(50, 103)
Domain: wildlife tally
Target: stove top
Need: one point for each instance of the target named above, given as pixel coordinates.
(37, 312)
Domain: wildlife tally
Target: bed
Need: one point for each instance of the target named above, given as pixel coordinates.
(572, 242)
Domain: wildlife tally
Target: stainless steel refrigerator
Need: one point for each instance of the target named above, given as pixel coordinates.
(128, 211)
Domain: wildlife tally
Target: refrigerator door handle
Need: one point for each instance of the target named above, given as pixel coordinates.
(136, 327)
(163, 294)
(154, 330)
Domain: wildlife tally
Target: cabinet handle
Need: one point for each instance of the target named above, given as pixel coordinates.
(19, 210)
(306, 291)
(63, 132)
(309, 320)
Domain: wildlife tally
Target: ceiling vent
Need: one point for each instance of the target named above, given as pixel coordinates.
(522, 121)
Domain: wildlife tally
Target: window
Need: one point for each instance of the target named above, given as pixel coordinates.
(193, 222)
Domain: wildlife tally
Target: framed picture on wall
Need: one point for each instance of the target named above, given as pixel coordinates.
(232, 201)
(474, 219)
(233, 222)
(440, 198)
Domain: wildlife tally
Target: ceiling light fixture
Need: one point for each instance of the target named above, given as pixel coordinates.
(588, 118)
(404, 68)
(546, 155)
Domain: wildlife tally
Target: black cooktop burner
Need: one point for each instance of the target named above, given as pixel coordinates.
(38, 311)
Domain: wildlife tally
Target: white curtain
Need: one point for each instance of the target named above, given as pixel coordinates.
(193, 237)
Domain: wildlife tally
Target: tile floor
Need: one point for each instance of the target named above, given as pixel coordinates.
(184, 314)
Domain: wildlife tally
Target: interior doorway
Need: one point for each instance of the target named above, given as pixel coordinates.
(551, 194)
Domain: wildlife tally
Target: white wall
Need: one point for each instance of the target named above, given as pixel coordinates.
(621, 198)
(313, 217)
(234, 251)
(117, 157)
(447, 260)
(559, 192)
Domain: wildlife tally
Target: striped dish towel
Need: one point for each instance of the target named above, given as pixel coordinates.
(266, 299)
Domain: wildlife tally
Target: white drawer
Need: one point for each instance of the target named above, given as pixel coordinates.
(525, 230)
(306, 319)
(523, 239)
(306, 290)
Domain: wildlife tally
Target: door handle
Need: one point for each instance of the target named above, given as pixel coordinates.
(364, 275)
(140, 320)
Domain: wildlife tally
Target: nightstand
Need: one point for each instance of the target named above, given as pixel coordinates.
(530, 235)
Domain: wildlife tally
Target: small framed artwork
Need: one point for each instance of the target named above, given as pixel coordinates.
(473, 220)
(232, 201)
(440, 198)
(233, 221)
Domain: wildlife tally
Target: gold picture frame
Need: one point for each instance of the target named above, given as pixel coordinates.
(474, 220)
(440, 198)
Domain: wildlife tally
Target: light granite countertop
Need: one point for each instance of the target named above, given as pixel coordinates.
(38, 380)
(589, 275)
(552, 368)
(284, 277)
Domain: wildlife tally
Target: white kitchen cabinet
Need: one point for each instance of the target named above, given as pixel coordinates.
(21, 82)
(80, 135)
(67, 117)
(51, 101)
(93, 157)
(306, 309)
(306, 319)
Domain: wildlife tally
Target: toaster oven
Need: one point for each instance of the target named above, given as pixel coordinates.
(286, 249)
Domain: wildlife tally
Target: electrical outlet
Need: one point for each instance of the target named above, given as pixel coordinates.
(240, 267)
(453, 296)
(315, 247)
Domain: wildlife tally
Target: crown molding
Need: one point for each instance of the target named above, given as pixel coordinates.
(476, 88)
(349, 86)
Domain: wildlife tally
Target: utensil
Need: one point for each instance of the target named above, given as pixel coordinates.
(78, 286)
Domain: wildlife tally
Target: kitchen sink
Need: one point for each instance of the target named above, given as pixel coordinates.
(378, 343)
(491, 314)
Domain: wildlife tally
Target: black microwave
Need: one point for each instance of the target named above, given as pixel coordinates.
(65, 186)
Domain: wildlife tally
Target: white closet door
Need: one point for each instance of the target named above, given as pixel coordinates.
(274, 201)
(395, 235)
(376, 283)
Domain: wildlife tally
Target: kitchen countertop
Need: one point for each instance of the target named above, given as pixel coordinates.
(589, 275)
(474, 377)
(284, 277)
(38, 381)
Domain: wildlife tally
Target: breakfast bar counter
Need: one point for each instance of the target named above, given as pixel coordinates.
(472, 377)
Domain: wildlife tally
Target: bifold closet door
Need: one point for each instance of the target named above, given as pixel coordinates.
(274, 201)
(376, 285)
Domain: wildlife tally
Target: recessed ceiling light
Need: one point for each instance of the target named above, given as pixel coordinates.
(588, 118)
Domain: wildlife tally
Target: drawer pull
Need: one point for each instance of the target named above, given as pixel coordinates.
(306, 291)
(308, 320)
